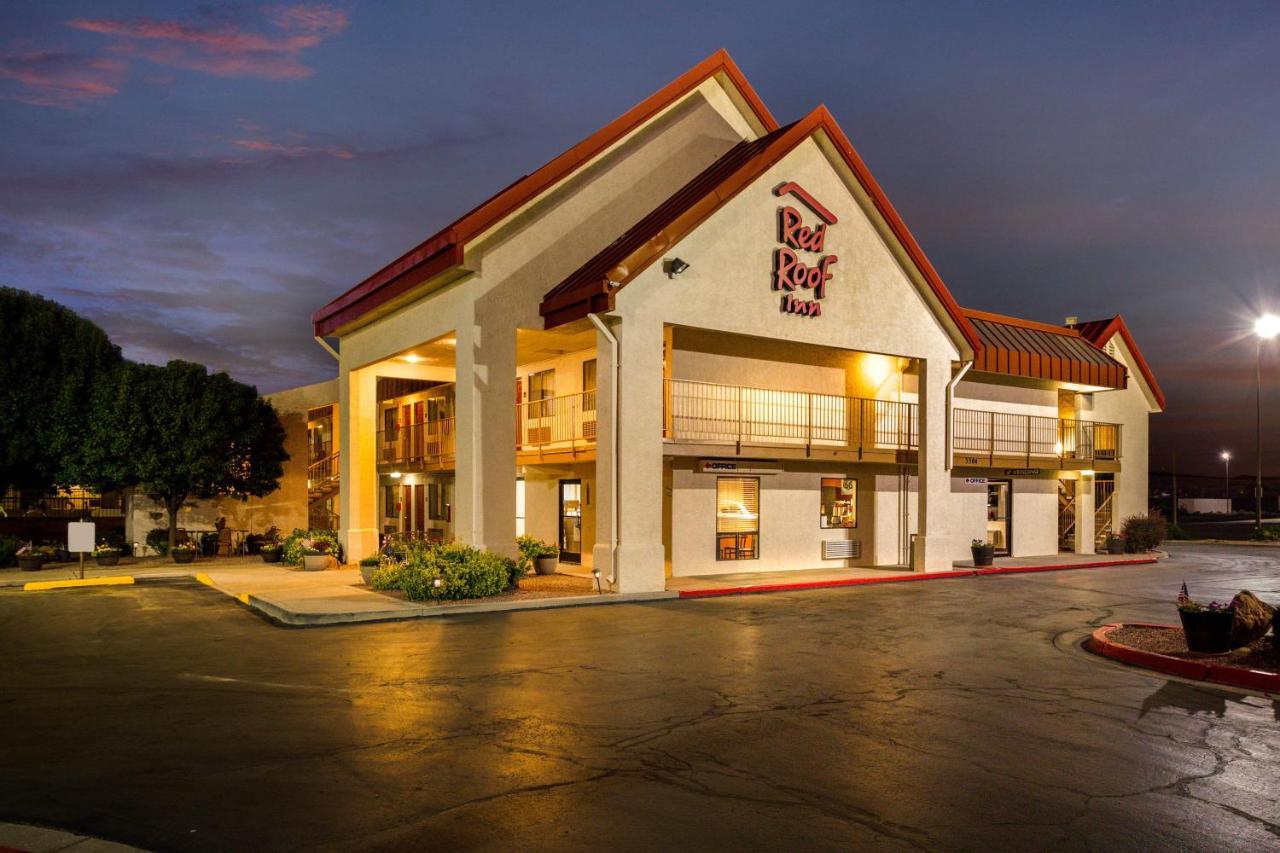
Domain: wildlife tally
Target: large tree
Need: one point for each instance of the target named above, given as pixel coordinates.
(197, 435)
(53, 363)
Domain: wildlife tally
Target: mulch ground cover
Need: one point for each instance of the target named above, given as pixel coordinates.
(1262, 654)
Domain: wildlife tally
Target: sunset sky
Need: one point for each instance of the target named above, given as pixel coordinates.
(198, 178)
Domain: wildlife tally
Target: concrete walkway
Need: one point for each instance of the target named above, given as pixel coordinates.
(38, 839)
(151, 568)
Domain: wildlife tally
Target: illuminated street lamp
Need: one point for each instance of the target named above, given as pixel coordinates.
(1225, 456)
(1266, 328)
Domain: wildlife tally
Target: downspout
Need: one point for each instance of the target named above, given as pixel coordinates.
(603, 328)
(951, 386)
(327, 347)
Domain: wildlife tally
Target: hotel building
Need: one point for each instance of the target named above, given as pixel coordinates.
(700, 341)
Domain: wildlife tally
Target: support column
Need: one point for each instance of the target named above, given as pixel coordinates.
(640, 550)
(606, 493)
(484, 512)
(358, 462)
(1084, 542)
(932, 550)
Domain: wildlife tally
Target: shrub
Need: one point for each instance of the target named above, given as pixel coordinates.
(460, 570)
(158, 540)
(318, 541)
(1144, 532)
(8, 549)
(386, 577)
(371, 560)
(1269, 533)
(1176, 532)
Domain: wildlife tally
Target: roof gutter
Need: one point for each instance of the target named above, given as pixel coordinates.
(951, 393)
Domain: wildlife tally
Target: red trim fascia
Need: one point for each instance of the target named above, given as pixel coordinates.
(1117, 324)
(369, 293)
(1100, 643)
(899, 228)
(913, 576)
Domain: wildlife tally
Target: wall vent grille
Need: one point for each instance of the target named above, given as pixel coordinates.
(841, 549)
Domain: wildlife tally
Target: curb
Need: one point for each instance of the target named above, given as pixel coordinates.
(914, 576)
(292, 619)
(1099, 643)
(20, 837)
(40, 586)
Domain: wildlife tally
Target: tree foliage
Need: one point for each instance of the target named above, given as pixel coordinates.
(201, 435)
(54, 362)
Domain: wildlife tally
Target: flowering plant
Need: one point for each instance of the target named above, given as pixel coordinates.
(185, 546)
(105, 549)
(1187, 605)
(30, 550)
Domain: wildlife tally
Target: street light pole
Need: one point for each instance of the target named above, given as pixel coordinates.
(1226, 476)
(1265, 328)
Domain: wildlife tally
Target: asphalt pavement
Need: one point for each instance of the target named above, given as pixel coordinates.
(951, 715)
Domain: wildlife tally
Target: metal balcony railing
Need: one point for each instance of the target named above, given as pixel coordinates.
(83, 505)
(322, 474)
(423, 444)
(992, 434)
(707, 413)
(557, 423)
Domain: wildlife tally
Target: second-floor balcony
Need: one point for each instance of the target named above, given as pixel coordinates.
(425, 445)
(707, 413)
(557, 424)
(984, 438)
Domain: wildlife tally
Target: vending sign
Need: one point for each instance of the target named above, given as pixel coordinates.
(799, 263)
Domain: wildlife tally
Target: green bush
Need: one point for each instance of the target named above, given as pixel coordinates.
(1176, 532)
(8, 548)
(1144, 532)
(158, 540)
(387, 576)
(462, 572)
(325, 541)
(1269, 533)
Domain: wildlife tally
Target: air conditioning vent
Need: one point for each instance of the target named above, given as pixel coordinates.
(841, 549)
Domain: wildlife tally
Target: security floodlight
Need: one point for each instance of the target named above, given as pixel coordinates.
(675, 266)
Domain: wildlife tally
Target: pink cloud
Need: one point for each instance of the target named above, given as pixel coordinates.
(61, 79)
(292, 150)
(225, 49)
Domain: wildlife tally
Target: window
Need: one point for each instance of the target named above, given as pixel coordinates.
(589, 385)
(737, 518)
(542, 387)
(839, 503)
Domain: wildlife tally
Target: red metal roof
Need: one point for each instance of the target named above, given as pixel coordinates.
(588, 289)
(444, 249)
(1098, 332)
(1017, 347)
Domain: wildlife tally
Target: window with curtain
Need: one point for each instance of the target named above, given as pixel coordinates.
(542, 387)
(737, 518)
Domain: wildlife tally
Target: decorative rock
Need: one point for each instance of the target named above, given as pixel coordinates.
(1252, 619)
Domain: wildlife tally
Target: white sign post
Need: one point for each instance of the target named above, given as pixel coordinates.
(80, 539)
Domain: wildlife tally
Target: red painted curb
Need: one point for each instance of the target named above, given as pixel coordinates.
(1200, 670)
(914, 576)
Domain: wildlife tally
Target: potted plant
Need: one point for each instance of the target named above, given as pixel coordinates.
(271, 552)
(315, 555)
(368, 566)
(184, 552)
(984, 553)
(106, 555)
(31, 558)
(1116, 545)
(1207, 627)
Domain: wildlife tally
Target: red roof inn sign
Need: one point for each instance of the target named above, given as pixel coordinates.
(794, 263)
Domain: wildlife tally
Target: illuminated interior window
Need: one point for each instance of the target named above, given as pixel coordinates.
(839, 503)
(737, 518)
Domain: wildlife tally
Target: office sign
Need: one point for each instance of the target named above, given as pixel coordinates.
(736, 466)
(975, 481)
(799, 263)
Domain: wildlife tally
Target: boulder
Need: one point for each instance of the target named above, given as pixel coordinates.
(1252, 619)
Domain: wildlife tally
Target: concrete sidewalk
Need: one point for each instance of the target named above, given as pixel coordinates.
(149, 568)
(337, 597)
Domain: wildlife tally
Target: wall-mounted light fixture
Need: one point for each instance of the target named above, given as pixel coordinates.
(395, 475)
(675, 266)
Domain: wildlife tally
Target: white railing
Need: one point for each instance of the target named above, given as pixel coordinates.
(557, 423)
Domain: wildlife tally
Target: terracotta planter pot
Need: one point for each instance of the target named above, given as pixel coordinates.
(108, 559)
(546, 565)
(315, 563)
(270, 555)
(31, 564)
(1208, 631)
(184, 556)
(983, 555)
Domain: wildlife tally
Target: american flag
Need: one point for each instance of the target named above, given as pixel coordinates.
(1183, 596)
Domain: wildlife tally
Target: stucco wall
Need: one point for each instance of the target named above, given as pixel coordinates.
(1130, 407)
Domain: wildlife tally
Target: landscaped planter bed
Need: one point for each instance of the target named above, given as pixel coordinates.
(530, 587)
(1163, 648)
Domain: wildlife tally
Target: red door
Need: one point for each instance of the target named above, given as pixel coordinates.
(419, 507)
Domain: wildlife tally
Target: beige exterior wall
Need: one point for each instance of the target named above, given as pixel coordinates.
(1130, 407)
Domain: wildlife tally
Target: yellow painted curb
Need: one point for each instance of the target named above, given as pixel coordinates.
(204, 579)
(34, 586)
